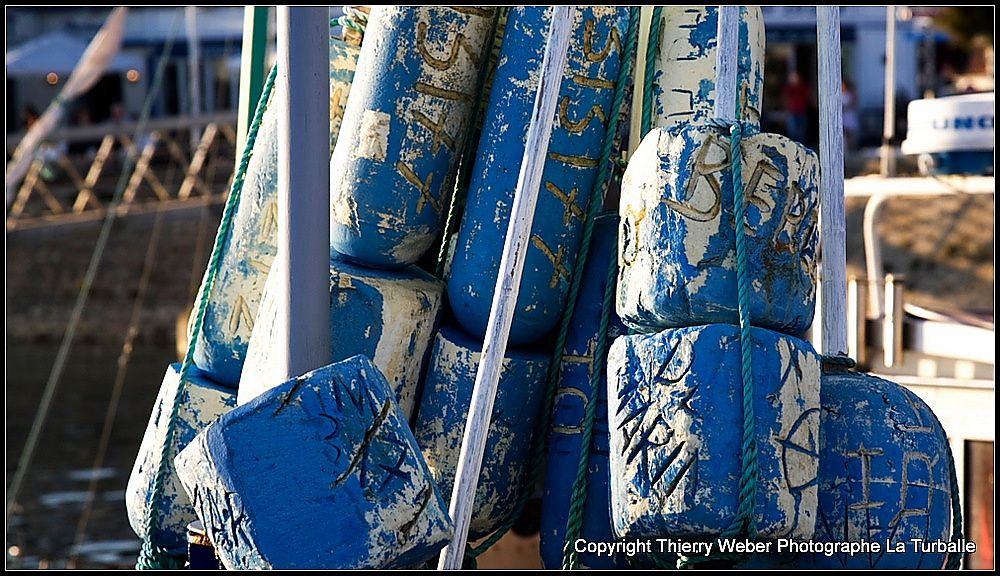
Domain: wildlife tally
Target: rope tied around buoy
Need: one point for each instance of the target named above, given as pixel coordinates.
(744, 524)
(578, 498)
(595, 206)
(152, 557)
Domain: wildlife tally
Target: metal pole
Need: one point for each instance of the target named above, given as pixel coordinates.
(833, 227)
(888, 163)
(508, 283)
(252, 69)
(303, 188)
(194, 76)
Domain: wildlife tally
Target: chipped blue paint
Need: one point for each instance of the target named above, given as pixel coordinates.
(677, 237)
(444, 405)
(319, 472)
(675, 416)
(568, 414)
(883, 475)
(585, 100)
(249, 251)
(684, 81)
(386, 315)
(201, 403)
(410, 104)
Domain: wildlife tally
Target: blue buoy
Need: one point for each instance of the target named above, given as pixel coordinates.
(574, 151)
(444, 406)
(676, 419)
(884, 474)
(568, 413)
(411, 101)
(387, 315)
(249, 251)
(319, 472)
(677, 236)
(202, 402)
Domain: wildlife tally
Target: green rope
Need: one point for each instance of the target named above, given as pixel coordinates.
(578, 497)
(593, 209)
(152, 556)
(745, 521)
(465, 163)
(652, 47)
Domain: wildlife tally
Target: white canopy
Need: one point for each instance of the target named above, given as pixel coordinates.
(58, 52)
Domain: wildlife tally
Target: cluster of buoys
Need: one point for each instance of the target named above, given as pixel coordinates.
(586, 91)
(352, 465)
(231, 307)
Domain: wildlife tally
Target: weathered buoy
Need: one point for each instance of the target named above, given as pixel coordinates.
(249, 251)
(677, 238)
(441, 414)
(586, 92)
(319, 472)
(684, 82)
(201, 403)
(387, 315)
(570, 404)
(884, 475)
(343, 63)
(675, 413)
(411, 101)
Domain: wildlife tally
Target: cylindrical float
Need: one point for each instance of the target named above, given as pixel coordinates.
(386, 315)
(677, 244)
(684, 82)
(249, 251)
(570, 404)
(441, 414)
(676, 418)
(884, 475)
(319, 472)
(343, 63)
(587, 88)
(403, 127)
(202, 402)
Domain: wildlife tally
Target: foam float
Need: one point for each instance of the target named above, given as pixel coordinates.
(319, 472)
(586, 91)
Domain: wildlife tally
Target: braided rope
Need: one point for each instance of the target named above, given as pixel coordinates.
(152, 556)
(465, 163)
(748, 465)
(652, 47)
(578, 496)
(745, 521)
(539, 434)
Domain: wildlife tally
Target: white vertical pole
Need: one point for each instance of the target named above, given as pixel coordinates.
(194, 77)
(726, 53)
(302, 93)
(508, 283)
(833, 231)
(888, 164)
